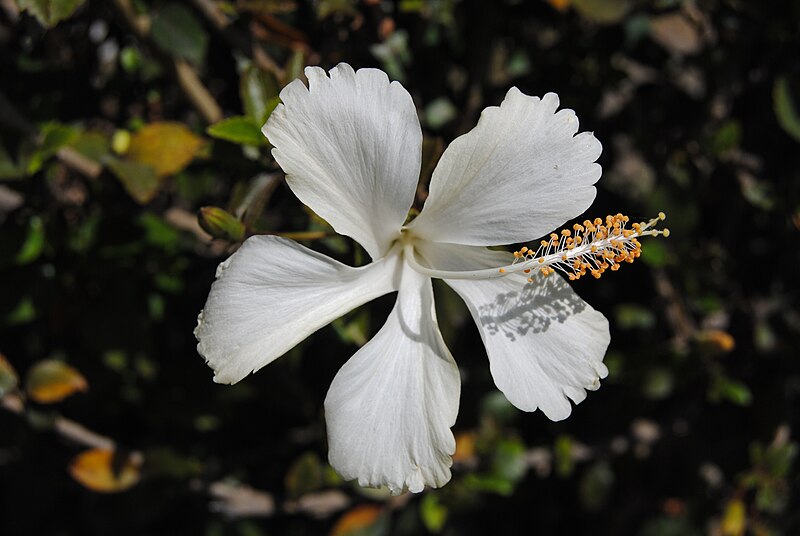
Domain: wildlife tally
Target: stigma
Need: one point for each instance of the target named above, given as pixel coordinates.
(589, 248)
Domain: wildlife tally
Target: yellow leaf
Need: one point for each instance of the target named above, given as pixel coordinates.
(560, 5)
(166, 147)
(98, 470)
(465, 447)
(52, 381)
(734, 520)
(357, 520)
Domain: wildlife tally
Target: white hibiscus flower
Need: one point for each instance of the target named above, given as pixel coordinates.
(350, 145)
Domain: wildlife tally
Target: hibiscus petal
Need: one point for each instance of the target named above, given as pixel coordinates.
(390, 408)
(273, 293)
(545, 344)
(519, 174)
(351, 147)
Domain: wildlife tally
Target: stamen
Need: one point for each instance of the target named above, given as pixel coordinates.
(591, 248)
(597, 246)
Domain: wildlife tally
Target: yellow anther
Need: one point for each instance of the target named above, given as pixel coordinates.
(502, 270)
(662, 216)
(665, 232)
(524, 250)
(566, 232)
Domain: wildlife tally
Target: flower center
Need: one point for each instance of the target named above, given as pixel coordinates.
(588, 248)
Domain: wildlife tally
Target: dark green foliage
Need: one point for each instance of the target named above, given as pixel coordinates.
(120, 120)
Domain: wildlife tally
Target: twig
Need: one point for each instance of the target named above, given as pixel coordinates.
(683, 327)
(238, 39)
(188, 78)
(79, 163)
(201, 98)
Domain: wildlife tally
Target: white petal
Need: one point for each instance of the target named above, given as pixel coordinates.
(545, 344)
(519, 174)
(273, 293)
(350, 146)
(391, 406)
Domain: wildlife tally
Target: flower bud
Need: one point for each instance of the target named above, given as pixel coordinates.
(220, 224)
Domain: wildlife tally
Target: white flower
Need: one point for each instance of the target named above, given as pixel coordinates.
(350, 145)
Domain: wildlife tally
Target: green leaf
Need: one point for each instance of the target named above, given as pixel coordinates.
(655, 254)
(53, 137)
(304, 475)
(433, 513)
(34, 242)
(8, 168)
(633, 316)
(139, 180)
(562, 450)
(176, 30)
(509, 460)
(602, 11)
(92, 144)
(727, 137)
(785, 109)
(50, 12)
(596, 486)
(725, 388)
(257, 89)
(238, 129)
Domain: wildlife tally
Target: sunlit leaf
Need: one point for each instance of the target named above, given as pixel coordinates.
(734, 520)
(562, 449)
(101, 471)
(363, 520)
(724, 388)
(465, 446)
(139, 180)
(257, 88)
(8, 376)
(433, 513)
(50, 12)
(52, 381)
(53, 136)
(715, 341)
(23, 312)
(166, 147)
(34, 242)
(786, 108)
(237, 129)
(177, 30)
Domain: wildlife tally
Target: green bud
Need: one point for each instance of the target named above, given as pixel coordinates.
(220, 224)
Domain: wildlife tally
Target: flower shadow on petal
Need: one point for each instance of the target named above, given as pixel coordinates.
(531, 309)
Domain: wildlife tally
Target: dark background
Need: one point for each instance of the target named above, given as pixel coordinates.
(103, 266)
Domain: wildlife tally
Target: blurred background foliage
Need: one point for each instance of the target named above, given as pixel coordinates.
(129, 138)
